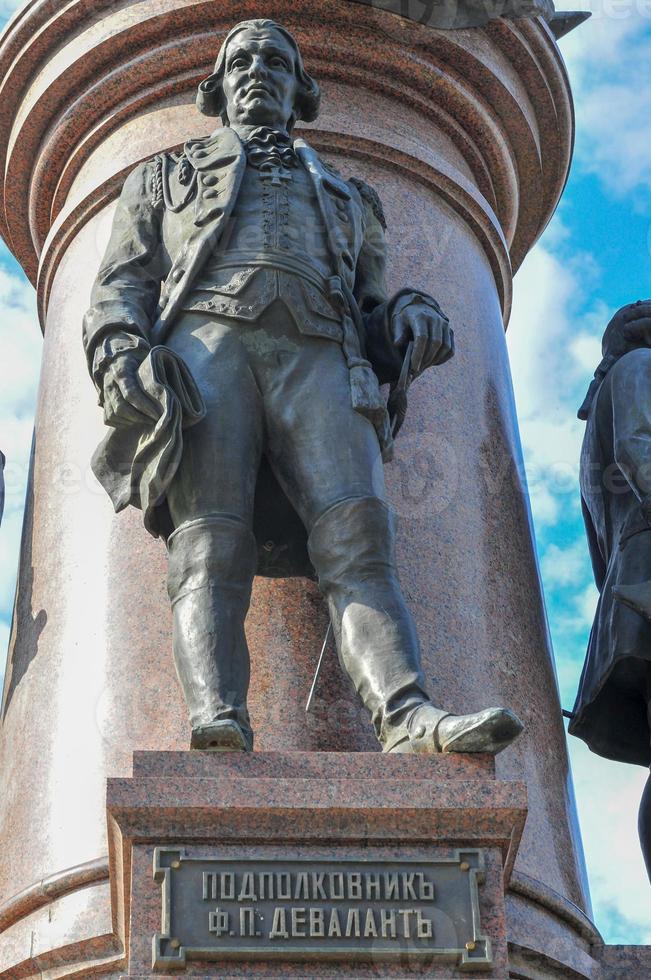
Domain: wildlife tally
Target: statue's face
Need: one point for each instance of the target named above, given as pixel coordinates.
(260, 83)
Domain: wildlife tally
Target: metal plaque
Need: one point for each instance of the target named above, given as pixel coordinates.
(356, 909)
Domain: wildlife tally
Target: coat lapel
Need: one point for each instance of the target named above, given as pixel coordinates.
(333, 195)
(220, 162)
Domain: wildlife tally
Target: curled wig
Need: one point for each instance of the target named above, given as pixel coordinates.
(210, 97)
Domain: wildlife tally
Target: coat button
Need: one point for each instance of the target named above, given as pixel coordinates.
(211, 193)
(209, 180)
(178, 274)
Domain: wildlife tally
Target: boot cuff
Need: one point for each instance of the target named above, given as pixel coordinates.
(354, 534)
(211, 552)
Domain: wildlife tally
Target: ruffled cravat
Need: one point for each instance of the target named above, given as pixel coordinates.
(268, 150)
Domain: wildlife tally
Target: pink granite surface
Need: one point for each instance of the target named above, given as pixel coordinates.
(69, 934)
(334, 799)
(279, 765)
(467, 138)
(318, 806)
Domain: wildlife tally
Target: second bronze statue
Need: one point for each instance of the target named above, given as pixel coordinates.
(251, 441)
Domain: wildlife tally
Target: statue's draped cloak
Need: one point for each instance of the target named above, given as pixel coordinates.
(611, 711)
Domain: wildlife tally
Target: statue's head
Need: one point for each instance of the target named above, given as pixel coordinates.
(629, 328)
(259, 79)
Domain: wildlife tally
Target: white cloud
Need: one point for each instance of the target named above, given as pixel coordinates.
(551, 371)
(564, 566)
(574, 625)
(545, 506)
(19, 338)
(586, 605)
(20, 343)
(609, 796)
(609, 62)
(586, 349)
(9, 7)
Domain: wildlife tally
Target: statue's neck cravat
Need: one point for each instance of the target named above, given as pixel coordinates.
(271, 153)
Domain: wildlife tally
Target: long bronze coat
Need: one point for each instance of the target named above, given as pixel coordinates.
(172, 214)
(611, 708)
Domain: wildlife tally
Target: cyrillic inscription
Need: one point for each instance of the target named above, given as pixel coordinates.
(223, 908)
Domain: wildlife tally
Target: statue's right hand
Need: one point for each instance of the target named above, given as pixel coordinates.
(125, 400)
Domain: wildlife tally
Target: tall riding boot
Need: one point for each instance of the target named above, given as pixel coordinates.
(212, 562)
(352, 547)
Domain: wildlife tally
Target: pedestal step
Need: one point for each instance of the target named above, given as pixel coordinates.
(313, 865)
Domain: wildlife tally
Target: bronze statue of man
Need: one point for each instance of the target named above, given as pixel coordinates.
(251, 439)
(613, 708)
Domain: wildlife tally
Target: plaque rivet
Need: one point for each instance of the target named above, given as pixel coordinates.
(464, 866)
(471, 946)
(175, 943)
(176, 865)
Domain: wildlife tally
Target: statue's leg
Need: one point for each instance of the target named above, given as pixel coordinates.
(327, 458)
(212, 552)
(351, 547)
(211, 566)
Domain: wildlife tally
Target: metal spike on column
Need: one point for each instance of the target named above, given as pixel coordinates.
(562, 23)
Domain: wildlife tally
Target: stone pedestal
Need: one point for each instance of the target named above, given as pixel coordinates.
(467, 136)
(210, 853)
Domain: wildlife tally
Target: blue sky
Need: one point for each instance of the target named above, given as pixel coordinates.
(593, 258)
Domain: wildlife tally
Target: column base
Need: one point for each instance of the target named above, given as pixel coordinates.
(422, 847)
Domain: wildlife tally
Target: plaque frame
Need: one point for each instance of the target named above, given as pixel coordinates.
(170, 954)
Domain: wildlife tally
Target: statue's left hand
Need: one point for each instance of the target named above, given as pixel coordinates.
(430, 331)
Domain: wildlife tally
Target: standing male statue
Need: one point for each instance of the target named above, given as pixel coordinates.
(277, 331)
(613, 709)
